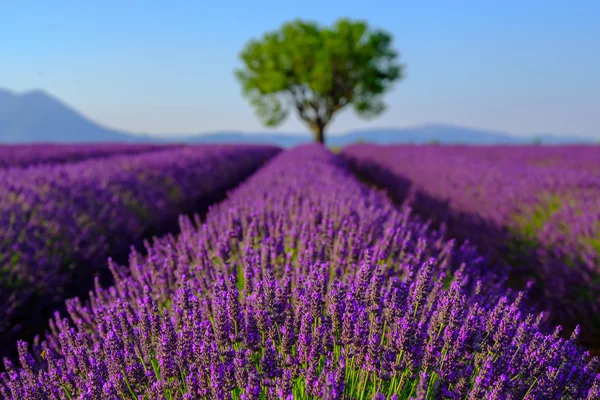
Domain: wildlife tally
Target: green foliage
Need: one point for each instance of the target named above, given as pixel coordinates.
(8, 277)
(318, 71)
(534, 219)
(594, 242)
(528, 224)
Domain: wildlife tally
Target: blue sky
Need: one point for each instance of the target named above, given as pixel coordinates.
(524, 67)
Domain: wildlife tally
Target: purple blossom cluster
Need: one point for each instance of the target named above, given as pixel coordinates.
(536, 208)
(26, 155)
(304, 283)
(59, 223)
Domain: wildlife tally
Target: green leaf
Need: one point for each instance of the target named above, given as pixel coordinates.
(318, 71)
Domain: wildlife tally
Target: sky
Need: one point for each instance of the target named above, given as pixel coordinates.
(522, 67)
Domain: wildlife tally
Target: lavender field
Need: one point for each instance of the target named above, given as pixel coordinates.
(534, 208)
(60, 222)
(25, 155)
(384, 272)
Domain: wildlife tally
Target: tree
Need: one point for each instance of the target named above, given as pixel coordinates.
(318, 71)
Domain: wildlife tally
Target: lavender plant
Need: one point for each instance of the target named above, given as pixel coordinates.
(304, 283)
(26, 155)
(536, 208)
(59, 223)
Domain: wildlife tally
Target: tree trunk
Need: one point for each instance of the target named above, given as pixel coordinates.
(319, 131)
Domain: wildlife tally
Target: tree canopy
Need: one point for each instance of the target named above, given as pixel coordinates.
(318, 71)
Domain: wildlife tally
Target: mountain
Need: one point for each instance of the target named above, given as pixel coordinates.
(443, 134)
(449, 134)
(36, 116)
(281, 139)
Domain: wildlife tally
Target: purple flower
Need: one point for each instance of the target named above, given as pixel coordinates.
(297, 319)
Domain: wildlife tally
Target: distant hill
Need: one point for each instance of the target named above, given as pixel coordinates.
(450, 134)
(36, 116)
(444, 134)
(39, 117)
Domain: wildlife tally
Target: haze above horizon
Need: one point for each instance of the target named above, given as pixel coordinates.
(157, 68)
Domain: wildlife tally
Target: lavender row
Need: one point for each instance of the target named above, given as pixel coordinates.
(533, 207)
(59, 223)
(580, 157)
(25, 155)
(302, 284)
